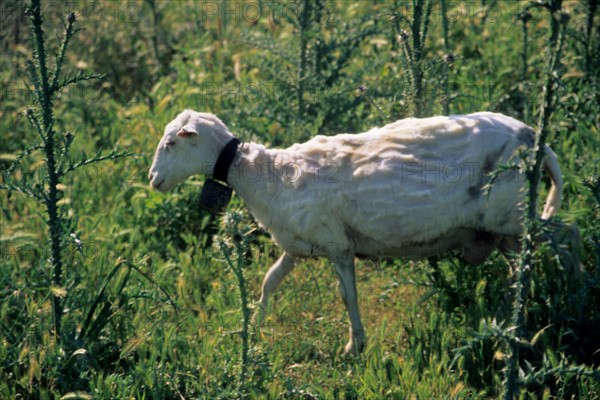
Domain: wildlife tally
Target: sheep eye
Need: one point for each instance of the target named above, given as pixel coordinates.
(170, 143)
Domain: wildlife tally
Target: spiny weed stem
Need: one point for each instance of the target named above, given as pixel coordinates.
(527, 257)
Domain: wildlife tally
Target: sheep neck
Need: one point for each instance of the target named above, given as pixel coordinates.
(254, 176)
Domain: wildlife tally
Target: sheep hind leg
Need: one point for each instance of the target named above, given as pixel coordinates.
(347, 279)
(282, 267)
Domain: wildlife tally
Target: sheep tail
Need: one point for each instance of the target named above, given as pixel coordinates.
(555, 194)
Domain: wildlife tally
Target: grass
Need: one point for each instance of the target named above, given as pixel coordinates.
(152, 284)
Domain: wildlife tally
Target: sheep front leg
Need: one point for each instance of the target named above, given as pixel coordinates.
(345, 271)
(282, 267)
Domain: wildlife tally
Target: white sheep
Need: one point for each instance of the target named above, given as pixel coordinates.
(413, 188)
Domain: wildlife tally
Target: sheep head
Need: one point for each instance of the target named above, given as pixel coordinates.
(191, 144)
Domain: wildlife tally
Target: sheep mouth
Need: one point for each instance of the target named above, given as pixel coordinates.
(157, 185)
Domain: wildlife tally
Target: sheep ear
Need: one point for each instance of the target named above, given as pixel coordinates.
(187, 131)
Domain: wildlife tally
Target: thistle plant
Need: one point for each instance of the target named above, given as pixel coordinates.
(312, 92)
(591, 46)
(525, 17)
(233, 250)
(558, 21)
(448, 58)
(412, 45)
(46, 83)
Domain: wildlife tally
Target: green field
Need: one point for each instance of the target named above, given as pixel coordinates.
(154, 292)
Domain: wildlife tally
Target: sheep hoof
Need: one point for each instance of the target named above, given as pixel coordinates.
(259, 315)
(350, 350)
(354, 348)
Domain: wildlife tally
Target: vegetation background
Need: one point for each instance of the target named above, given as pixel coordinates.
(154, 291)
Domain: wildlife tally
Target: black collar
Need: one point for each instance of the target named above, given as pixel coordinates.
(225, 159)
